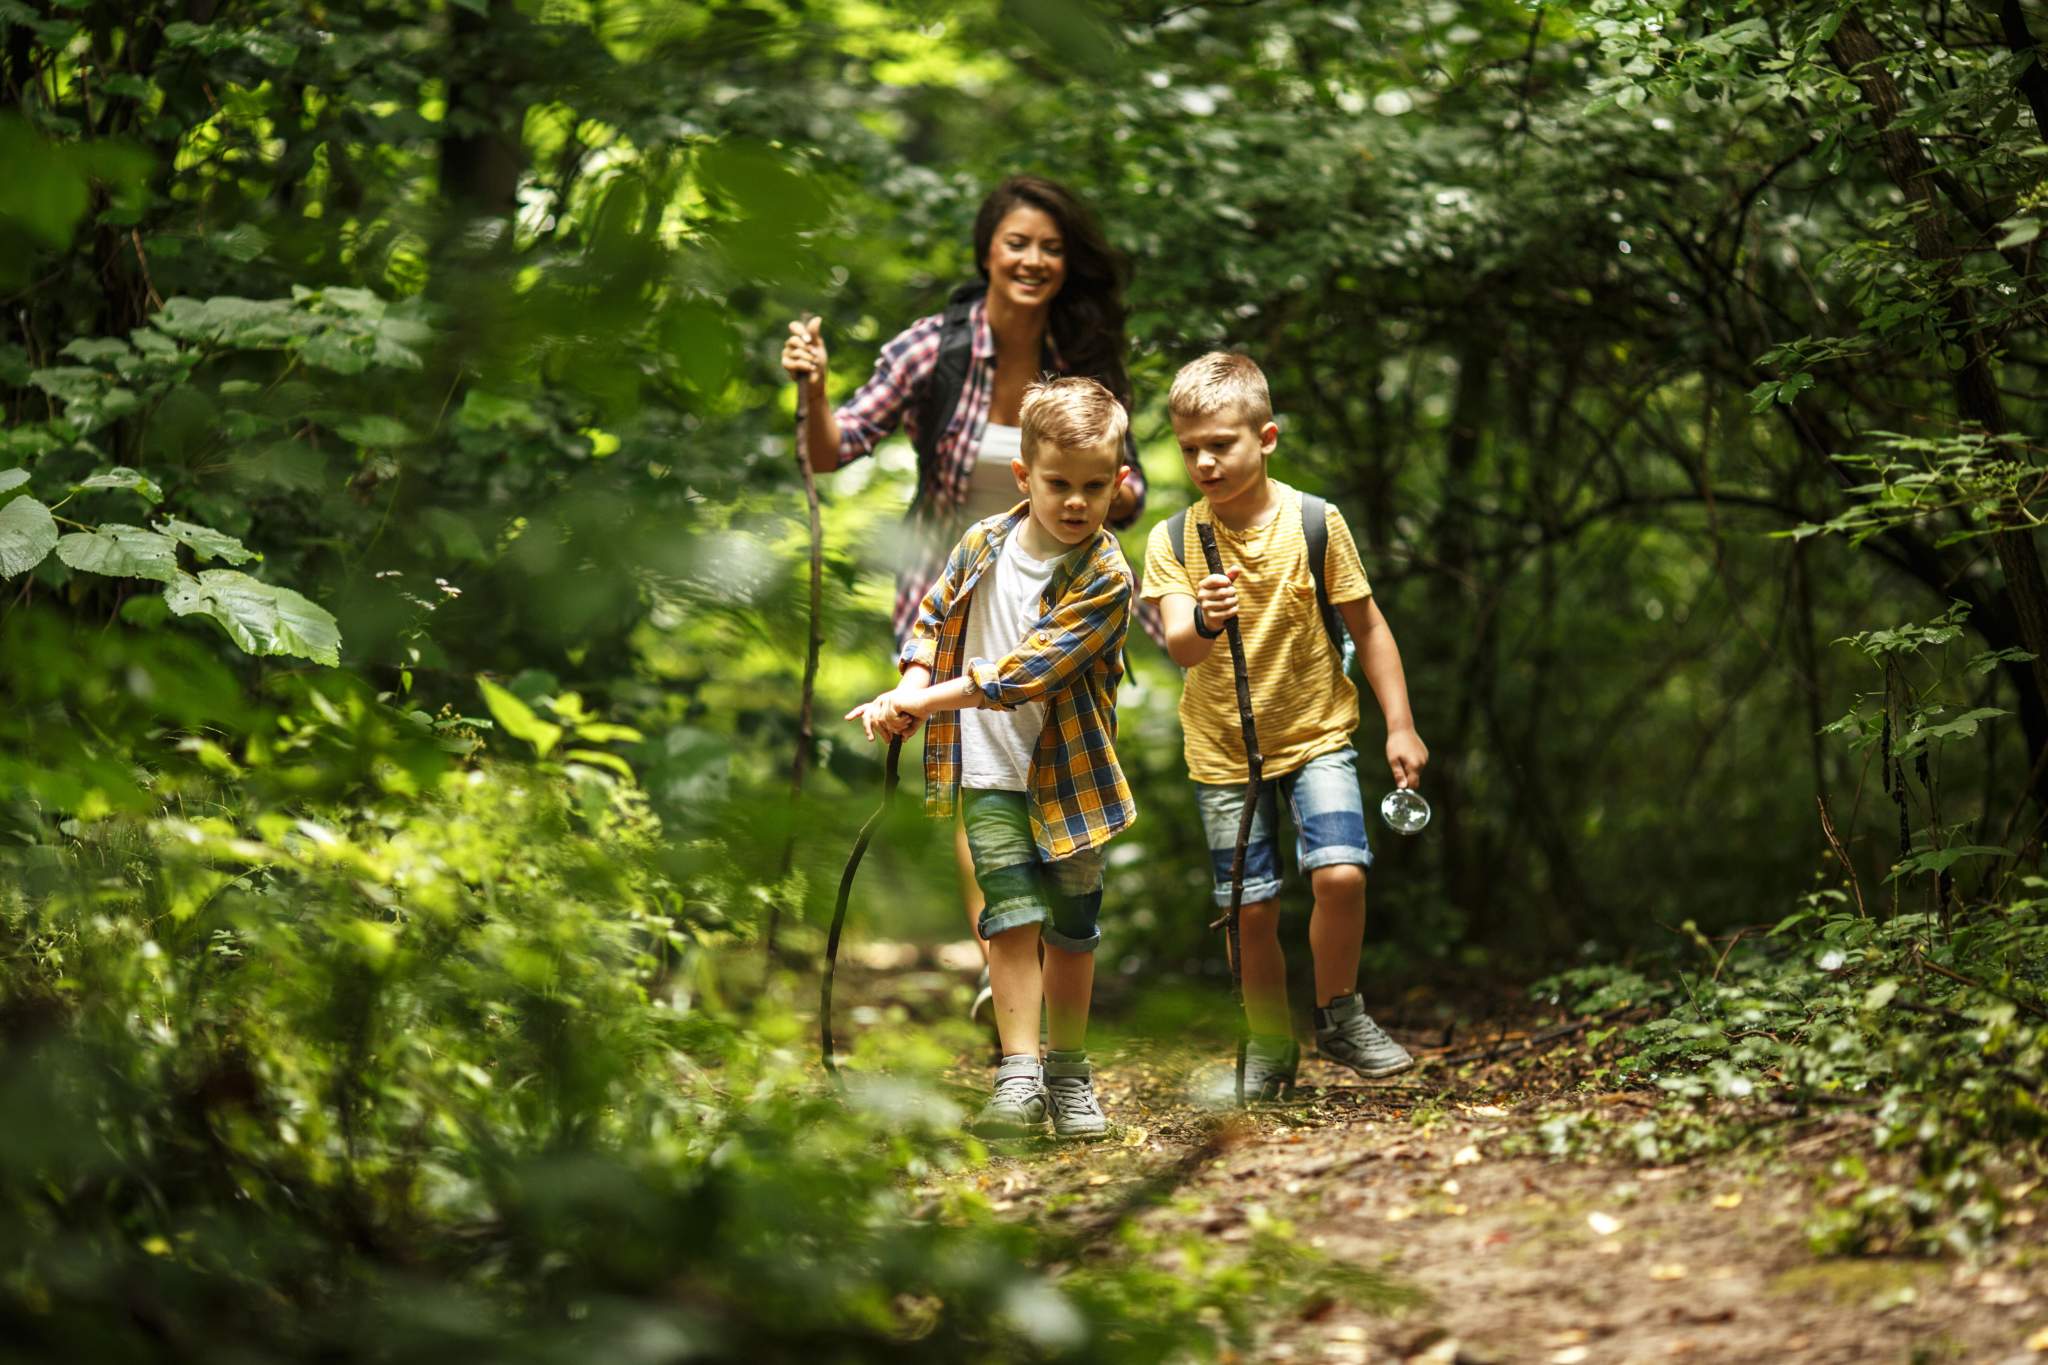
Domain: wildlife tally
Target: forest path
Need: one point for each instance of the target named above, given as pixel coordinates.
(1464, 1241)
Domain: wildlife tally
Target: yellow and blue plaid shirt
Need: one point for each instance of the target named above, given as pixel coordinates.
(1072, 660)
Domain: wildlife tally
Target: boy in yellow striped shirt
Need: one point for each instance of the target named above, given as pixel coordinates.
(1288, 615)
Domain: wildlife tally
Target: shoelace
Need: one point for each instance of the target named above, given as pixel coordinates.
(1072, 1096)
(1016, 1090)
(1362, 1033)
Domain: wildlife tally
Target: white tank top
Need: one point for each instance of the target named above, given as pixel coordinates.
(992, 488)
(996, 746)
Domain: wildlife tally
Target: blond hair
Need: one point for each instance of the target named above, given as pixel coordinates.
(1219, 382)
(1071, 414)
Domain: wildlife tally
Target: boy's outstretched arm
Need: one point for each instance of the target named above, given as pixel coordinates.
(1380, 658)
(896, 712)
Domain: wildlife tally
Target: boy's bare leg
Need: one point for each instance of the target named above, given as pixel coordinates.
(1336, 931)
(1265, 969)
(1069, 985)
(1013, 972)
(970, 889)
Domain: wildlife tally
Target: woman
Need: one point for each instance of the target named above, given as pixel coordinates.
(1050, 300)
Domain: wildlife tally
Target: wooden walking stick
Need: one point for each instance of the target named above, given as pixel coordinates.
(1255, 764)
(860, 848)
(806, 739)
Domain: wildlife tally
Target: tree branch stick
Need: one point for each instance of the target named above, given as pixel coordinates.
(860, 848)
(1255, 764)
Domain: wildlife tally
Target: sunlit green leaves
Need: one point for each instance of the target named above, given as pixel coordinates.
(518, 719)
(259, 617)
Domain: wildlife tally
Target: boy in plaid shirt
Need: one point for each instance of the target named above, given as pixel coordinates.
(1023, 633)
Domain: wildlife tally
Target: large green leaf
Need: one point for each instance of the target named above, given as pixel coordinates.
(27, 534)
(259, 617)
(121, 552)
(206, 542)
(11, 479)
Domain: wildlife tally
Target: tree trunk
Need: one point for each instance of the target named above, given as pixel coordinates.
(1856, 53)
(1469, 875)
(482, 154)
(2032, 80)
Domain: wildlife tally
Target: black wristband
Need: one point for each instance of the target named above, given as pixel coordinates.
(1204, 631)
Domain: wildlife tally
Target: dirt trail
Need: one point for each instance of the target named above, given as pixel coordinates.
(1496, 1256)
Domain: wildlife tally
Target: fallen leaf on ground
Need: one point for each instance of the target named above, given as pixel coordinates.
(1730, 1200)
(1605, 1225)
(1400, 1213)
(1098, 1179)
(2039, 1341)
(1491, 1111)
(1468, 1155)
(1667, 1272)
(1449, 1187)
(1570, 1355)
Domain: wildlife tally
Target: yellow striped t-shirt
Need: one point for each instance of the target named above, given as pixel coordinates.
(1302, 702)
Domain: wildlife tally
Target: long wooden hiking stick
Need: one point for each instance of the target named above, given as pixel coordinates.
(860, 848)
(806, 739)
(1255, 764)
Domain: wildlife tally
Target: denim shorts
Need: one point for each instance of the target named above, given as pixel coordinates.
(1018, 887)
(1325, 805)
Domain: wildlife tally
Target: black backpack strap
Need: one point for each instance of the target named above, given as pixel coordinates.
(1176, 535)
(1315, 529)
(948, 379)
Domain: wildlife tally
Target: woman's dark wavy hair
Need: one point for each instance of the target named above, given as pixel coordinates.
(1088, 313)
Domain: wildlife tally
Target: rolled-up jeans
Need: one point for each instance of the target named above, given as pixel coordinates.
(1019, 887)
(1328, 811)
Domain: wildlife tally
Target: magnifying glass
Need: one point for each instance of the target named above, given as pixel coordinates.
(1404, 810)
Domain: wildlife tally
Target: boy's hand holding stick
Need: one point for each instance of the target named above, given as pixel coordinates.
(1254, 767)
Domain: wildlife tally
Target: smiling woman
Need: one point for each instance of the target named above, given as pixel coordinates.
(1050, 301)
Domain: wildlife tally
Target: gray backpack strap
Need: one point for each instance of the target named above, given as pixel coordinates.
(1315, 529)
(1177, 536)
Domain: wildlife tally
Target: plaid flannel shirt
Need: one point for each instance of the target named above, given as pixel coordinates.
(1072, 660)
(936, 516)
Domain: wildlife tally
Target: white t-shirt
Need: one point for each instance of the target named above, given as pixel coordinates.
(995, 746)
(992, 487)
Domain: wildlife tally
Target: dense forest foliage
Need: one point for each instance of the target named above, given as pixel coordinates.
(405, 585)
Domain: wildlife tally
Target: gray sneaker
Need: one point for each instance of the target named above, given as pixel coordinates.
(983, 1010)
(1346, 1034)
(1070, 1084)
(1017, 1108)
(1270, 1065)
